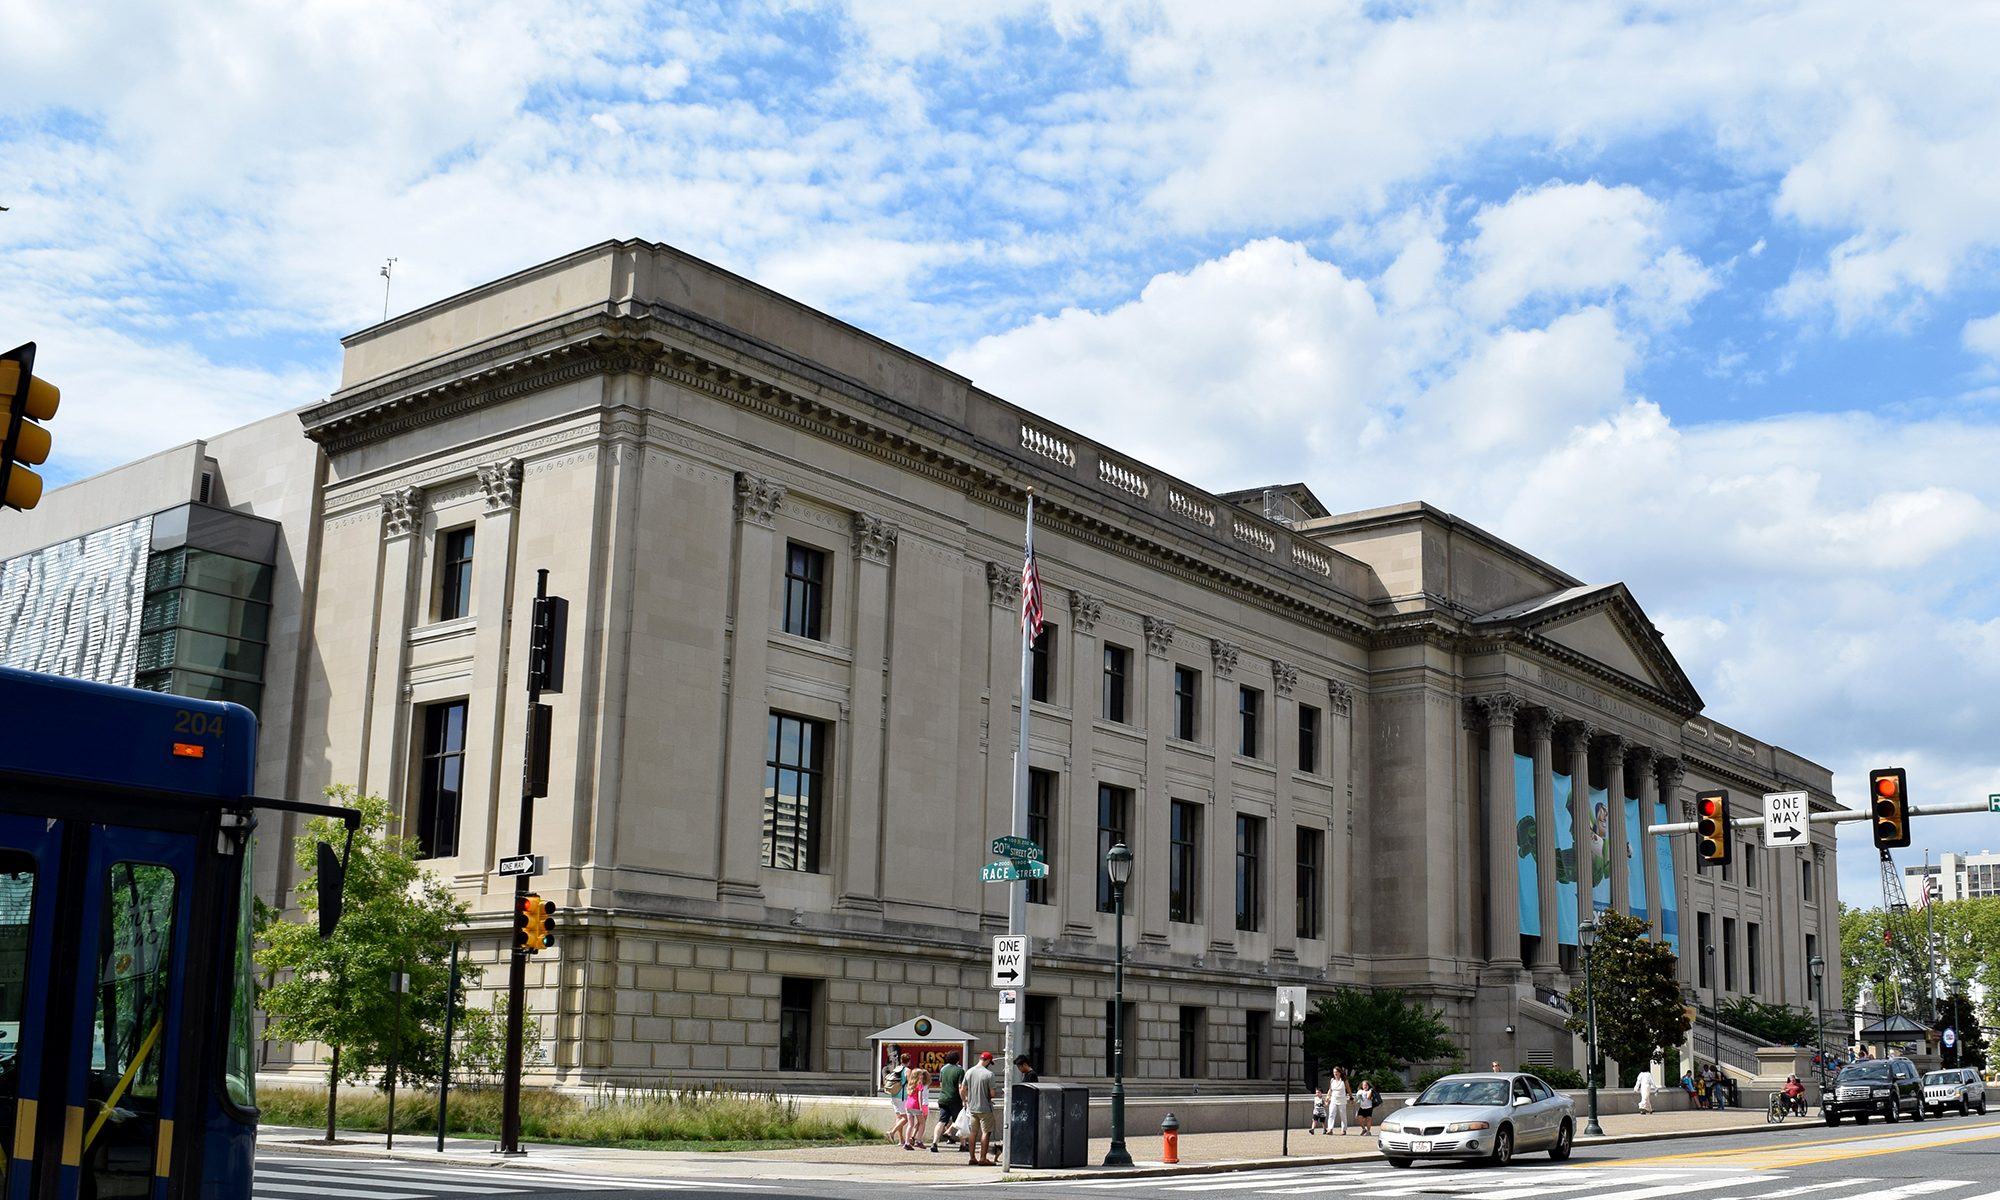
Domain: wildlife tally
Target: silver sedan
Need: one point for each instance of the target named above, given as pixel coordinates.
(1480, 1115)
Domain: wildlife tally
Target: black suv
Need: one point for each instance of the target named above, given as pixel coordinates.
(1891, 1087)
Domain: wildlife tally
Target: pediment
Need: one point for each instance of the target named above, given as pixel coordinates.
(1604, 627)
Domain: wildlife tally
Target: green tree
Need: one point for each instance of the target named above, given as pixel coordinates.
(1370, 1031)
(1638, 992)
(396, 916)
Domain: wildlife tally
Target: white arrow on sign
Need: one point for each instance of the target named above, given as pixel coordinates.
(1010, 960)
(1785, 817)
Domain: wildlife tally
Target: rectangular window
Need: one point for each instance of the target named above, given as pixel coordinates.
(1117, 682)
(1249, 872)
(441, 779)
(1039, 1014)
(1250, 711)
(1042, 667)
(1114, 825)
(1308, 739)
(1312, 852)
(1187, 702)
(1184, 857)
(1042, 827)
(1704, 936)
(1753, 946)
(1191, 1021)
(455, 574)
(1256, 1045)
(798, 999)
(1114, 1030)
(1729, 954)
(1750, 866)
(805, 591)
(1806, 881)
(794, 792)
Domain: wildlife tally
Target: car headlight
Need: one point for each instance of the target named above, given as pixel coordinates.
(1466, 1126)
(1881, 1093)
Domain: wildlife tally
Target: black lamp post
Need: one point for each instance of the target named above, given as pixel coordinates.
(1817, 966)
(1587, 934)
(1714, 1021)
(1118, 865)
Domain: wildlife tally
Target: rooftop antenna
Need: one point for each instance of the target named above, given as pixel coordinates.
(387, 268)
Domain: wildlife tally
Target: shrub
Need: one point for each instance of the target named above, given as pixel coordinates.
(1774, 1024)
(1560, 1078)
(1385, 1081)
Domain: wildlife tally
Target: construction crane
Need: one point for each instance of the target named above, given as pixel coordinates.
(1906, 944)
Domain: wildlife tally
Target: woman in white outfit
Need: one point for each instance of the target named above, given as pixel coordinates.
(1645, 1087)
(1336, 1102)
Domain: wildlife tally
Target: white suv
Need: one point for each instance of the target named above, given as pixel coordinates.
(1958, 1088)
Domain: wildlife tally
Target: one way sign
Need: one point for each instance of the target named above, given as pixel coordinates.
(1785, 817)
(1010, 960)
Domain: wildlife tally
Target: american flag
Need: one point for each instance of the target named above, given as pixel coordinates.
(1031, 594)
(1928, 892)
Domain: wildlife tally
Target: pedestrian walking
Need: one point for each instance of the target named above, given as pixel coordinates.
(949, 1077)
(1365, 1100)
(1718, 1089)
(918, 1106)
(1319, 1111)
(1645, 1087)
(977, 1090)
(896, 1086)
(1336, 1101)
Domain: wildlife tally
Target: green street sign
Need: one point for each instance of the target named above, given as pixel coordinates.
(1002, 872)
(1018, 849)
(1993, 804)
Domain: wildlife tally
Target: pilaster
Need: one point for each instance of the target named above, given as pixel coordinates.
(758, 501)
(867, 825)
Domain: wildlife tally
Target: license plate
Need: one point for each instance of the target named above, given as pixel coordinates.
(1420, 1147)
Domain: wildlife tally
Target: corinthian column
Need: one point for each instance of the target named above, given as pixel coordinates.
(1619, 837)
(1578, 734)
(1503, 887)
(1643, 758)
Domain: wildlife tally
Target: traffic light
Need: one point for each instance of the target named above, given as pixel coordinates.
(1711, 829)
(1889, 808)
(534, 925)
(24, 400)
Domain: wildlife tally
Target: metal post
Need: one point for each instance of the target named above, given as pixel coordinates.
(1285, 1139)
(399, 982)
(444, 1076)
(1714, 1021)
(1817, 966)
(1119, 864)
(1591, 1128)
(1017, 891)
(517, 959)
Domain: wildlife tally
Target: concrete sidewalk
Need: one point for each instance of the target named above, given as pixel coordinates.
(891, 1163)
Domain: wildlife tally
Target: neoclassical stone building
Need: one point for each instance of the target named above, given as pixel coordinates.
(1341, 746)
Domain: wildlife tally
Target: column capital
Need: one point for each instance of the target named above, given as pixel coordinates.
(1003, 584)
(1085, 611)
(1159, 635)
(1670, 771)
(501, 481)
(758, 499)
(1541, 723)
(1614, 746)
(1340, 695)
(874, 537)
(402, 511)
(1499, 708)
(1579, 734)
(1224, 654)
(1284, 676)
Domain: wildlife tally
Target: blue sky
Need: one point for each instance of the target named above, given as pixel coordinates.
(1699, 296)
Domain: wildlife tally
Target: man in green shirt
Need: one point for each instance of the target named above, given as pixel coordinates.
(949, 1077)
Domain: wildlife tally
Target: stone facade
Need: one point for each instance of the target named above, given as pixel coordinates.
(776, 531)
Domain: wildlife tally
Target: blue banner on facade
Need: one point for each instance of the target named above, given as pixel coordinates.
(1527, 860)
(1635, 863)
(1566, 873)
(1600, 849)
(1670, 909)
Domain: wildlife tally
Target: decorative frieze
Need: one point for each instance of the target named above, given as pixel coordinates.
(1085, 611)
(874, 538)
(758, 499)
(402, 511)
(501, 481)
(1284, 676)
(1003, 584)
(1159, 636)
(1224, 654)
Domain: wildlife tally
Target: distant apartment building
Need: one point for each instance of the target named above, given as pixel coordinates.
(1958, 876)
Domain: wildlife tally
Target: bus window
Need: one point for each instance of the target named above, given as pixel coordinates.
(134, 981)
(17, 909)
(239, 1069)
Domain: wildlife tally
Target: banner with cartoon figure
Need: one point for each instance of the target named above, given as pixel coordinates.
(1635, 864)
(1600, 849)
(1670, 909)
(1566, 875)
(1528, 862)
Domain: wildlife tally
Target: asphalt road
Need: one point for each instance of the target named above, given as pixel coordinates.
(1953, 1159)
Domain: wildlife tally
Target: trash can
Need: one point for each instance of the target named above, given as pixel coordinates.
(1075, 1124)
(1048, 1125)
(1024, 1126)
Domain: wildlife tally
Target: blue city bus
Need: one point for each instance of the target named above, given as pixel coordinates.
(126, 1044)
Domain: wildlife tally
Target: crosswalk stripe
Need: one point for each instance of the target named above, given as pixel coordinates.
(1568, 1181)
(319, 1188)
(430, 1183)
(1919, 1188)
(1804, 1188)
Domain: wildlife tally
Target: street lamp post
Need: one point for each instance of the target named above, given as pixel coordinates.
(1118, 865)
(1817, 966)
(1714, 1023)
(1587, 934)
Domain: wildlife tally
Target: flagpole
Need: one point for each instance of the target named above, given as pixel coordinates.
(1930, 939)
(1017, 890)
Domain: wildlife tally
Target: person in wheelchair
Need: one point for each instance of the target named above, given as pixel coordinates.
(1794, 1095)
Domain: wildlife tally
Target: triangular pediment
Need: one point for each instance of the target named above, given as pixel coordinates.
(1603, 626)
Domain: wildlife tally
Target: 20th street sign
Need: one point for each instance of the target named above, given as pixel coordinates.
(1017, 848)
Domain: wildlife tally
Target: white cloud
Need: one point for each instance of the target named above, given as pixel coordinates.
(1982, 336)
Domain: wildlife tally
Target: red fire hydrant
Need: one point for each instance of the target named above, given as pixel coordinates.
(1170, 1140)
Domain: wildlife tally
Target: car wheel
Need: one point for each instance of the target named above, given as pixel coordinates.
(1503, 1146)
(1892, 1112)
(1964, 1107)
(1397, 1160)
(1564, 1136)
(1982, 1106)
(1918, 1114)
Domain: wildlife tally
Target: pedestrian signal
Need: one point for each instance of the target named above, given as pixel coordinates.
(1889, 808)
(1712, 843)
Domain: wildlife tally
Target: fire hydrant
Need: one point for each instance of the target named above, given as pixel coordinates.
(1170, 1140)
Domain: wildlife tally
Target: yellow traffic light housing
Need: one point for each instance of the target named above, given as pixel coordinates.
(534, 924)
(1889, 808)
(1712, 842)
(521, 926)
(24, 400)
